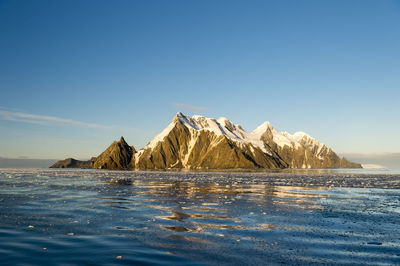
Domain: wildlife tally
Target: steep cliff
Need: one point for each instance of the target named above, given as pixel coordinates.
(300, 150)
(117, 156)
(193, 144)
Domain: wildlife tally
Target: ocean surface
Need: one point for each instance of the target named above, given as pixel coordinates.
(94, 217)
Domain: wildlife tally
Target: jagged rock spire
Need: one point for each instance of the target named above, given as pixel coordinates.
(117, 156)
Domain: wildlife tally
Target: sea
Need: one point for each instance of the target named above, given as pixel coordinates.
(286, 217)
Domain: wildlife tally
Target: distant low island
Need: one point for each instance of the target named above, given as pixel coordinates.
(199, 142)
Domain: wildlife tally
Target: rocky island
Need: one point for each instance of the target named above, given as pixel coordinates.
(199, 142)
(73, 163)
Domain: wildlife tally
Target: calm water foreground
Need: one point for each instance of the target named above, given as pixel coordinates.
(86, 217)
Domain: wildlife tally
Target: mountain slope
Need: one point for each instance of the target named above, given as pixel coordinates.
(117, 156)
(199, 142)
(300, 150)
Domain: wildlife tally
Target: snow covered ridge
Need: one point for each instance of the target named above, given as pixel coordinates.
(222, 126)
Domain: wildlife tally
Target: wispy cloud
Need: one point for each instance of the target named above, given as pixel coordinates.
(46, 120)
(189, 107)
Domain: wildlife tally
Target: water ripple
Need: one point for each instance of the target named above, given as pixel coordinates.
(65, 217)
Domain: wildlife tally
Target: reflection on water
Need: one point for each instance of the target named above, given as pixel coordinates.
(99, 217)
(228, 207)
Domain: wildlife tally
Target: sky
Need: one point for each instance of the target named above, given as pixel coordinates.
(76, 75)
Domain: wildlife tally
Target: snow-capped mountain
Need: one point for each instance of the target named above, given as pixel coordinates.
(220, 127)
(199, 142)
(299, 150)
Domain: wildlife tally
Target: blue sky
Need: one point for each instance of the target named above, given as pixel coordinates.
(75, 75)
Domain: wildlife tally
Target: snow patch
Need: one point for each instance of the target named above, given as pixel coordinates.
(222, 126)
(161, 136)
(280, 138)
(193, 140)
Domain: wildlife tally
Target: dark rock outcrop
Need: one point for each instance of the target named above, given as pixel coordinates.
(344, 163)
(117, 156)
(72, 163)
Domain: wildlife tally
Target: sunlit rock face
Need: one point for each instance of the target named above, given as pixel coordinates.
(117, 156)
(205, 143)
(199, 142)
(194, 148)
(302, 151)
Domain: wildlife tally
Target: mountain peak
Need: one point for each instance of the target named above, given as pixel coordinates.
(222, 119)
(117, 156)
(261, 129)
(179, 114)
(180, 117)
(298, 136)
